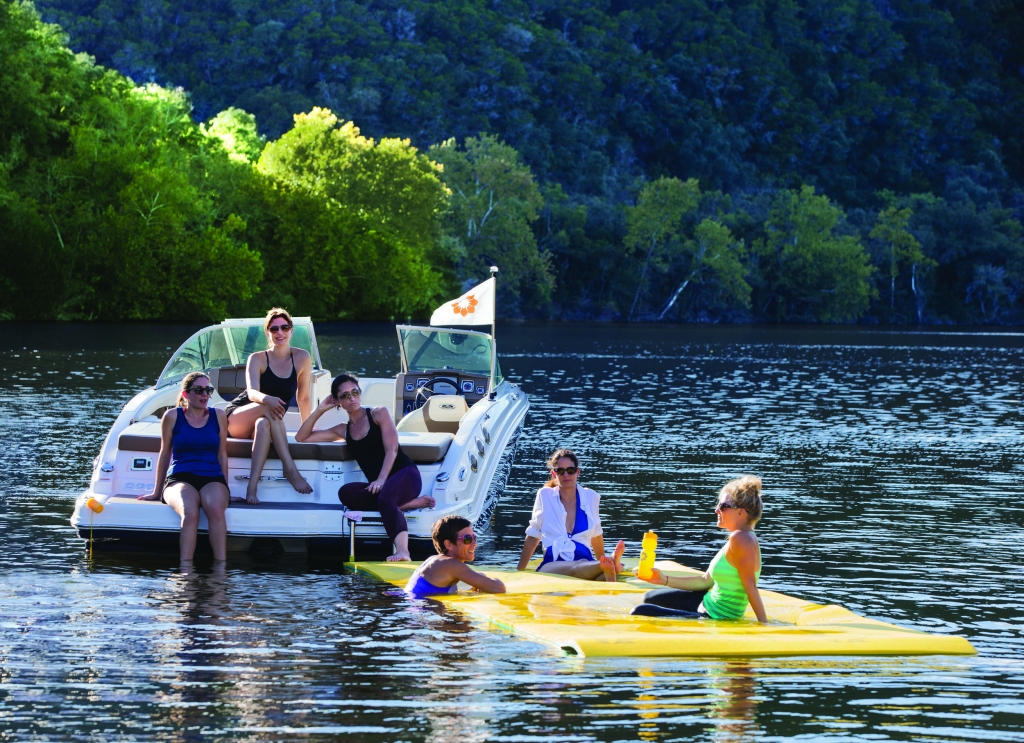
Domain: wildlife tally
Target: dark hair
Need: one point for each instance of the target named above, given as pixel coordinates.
(446, 530)
(340, 380)
(187, 382)
(561, 454)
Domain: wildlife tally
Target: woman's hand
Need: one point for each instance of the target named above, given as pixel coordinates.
(376, 485)
(656, 577)
(276, 405)
(155, 495)
(327, 403)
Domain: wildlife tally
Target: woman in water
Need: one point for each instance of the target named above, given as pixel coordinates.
(275, 378)
(393, 481)
(455, 543)
(191, 470)
(730, 583)
(567, 521)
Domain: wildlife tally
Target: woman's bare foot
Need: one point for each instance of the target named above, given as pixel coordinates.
(297, 481)
(620, 548)
(399, 557)
(424, 501)
(250, 497)
(608, 568)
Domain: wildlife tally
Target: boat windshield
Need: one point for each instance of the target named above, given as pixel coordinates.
(425, 349)
(230, 344)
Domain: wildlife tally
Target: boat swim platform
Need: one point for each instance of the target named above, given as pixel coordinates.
(592, 619)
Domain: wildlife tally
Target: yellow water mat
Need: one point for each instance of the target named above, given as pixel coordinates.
(592, 619)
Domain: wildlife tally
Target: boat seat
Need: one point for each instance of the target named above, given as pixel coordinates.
(422, 447)
(440, 414)
(230, 381)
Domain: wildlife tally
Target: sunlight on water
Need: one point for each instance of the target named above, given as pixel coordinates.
(891, 463)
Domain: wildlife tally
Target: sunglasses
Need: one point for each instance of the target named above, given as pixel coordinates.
(566, 470)
(466, 539)
(201, 390)
(727, 506)
(281, 328)
(349, 395)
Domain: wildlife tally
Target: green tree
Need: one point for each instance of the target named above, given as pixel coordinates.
(714, 257)
(494, 201)
(902, 249)
(813, 273)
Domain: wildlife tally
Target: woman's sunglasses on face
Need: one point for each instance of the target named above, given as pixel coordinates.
(353, 393)
(566, 470)
(466, 539)
(202, 390)
(279, 328)
(725, 506)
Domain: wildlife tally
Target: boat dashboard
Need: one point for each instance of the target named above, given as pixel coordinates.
(417, 386)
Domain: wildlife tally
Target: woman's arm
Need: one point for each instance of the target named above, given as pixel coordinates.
(529, 548)
(700, 582)
(222, 449)
(306, 433)
(479, 581)
(389, 434)
(597, 545)
(742, 555)
(277, 406)
(163, 460)
(302, 393)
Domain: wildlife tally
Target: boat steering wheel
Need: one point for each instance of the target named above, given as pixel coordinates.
(428, 387)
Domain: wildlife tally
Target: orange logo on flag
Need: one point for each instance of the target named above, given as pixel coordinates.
(465, 306)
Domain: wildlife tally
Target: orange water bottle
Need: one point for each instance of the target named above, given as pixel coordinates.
(647, 548)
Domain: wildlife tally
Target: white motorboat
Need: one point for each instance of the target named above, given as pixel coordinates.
(457, 418)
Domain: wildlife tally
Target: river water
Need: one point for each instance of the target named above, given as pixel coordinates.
(891, 463)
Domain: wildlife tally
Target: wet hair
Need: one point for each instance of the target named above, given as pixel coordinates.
(186, 385)
(446, 530)
(553, 460)
(273, 314)
(340, 380)
(745, 492)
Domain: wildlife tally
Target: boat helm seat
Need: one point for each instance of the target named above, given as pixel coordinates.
(440, 414)
(231, 381)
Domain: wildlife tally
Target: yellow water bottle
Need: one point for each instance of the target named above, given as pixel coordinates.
(647, 550)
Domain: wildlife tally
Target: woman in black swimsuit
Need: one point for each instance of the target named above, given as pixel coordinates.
(393, 481)
(276, 378)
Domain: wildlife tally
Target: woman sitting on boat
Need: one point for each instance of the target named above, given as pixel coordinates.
(567, 521)
(730, 583)
(277, 378)
(455, 543)
(393, 480)
(191, 470)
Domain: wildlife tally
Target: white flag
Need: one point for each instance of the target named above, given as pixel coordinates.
(475, 307)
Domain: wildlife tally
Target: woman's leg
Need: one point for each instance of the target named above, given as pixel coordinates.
(356, 497)
(213, 499)
(675, 598)
(184, 499)
(399, 489)
(585, 569)
(245, 423)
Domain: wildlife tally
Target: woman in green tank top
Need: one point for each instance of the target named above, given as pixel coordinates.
(730, 583)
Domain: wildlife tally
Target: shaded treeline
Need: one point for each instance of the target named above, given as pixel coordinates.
(773, 161)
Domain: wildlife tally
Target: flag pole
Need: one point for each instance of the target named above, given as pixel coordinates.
(494, 326)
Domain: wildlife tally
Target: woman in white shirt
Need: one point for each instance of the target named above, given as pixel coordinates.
(567, 521)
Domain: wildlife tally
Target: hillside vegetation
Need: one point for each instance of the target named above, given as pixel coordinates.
(760, 160)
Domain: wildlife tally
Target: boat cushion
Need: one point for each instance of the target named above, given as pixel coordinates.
(231, 381)
(422, 448)
(443, 413)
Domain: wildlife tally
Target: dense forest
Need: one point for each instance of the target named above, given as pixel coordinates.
(702, 160)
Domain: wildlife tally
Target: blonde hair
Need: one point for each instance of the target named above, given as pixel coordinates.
(271, 314)
(186, 385)
(745, 492)
(553, 460)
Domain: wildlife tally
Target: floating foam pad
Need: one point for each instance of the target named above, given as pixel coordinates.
(591, 618)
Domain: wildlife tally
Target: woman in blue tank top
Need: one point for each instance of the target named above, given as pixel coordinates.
(455, 543)
(275, 379)
(191, 471)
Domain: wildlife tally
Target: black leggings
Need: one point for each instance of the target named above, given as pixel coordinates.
(675, 598)
(400, 488)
